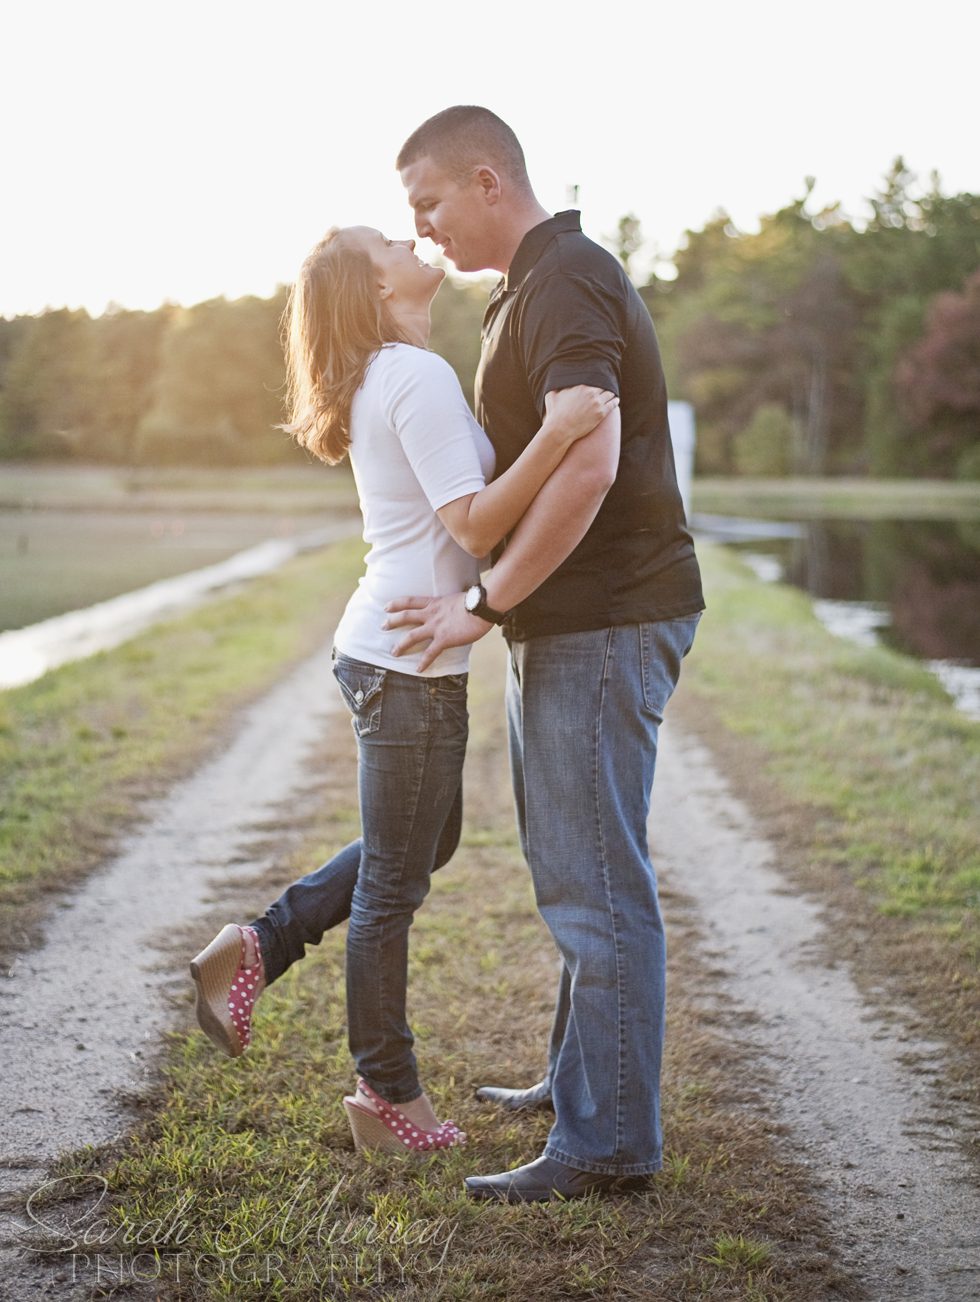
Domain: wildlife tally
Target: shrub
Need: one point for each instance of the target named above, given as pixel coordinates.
(766, 446)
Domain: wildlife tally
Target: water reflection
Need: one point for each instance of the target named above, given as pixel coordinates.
(913, 585)
(926, 574)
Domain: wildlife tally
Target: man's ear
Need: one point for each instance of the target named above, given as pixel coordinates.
(489, 183)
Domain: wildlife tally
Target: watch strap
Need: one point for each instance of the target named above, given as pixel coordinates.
(484, 611)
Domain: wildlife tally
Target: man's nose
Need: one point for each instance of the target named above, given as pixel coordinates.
(422, 228)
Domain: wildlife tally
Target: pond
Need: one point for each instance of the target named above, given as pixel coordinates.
(73, 583)
(57, 560)
(913, 585)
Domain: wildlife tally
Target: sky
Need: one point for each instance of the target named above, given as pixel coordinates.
(182, 151)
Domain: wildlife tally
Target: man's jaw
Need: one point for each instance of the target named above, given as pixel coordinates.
(448, 249)
(445, 247)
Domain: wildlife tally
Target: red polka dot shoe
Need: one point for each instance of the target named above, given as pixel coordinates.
(391, 1131)
(227, 989)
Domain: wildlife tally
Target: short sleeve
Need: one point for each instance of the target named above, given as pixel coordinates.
(571, 332)
(424, 405)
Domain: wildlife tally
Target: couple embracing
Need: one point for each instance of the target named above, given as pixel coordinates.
(567, 477)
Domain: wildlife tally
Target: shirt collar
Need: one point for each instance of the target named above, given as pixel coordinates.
(536, 241)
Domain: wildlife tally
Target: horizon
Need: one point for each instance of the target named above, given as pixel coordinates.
(195, 155)
(656, 266)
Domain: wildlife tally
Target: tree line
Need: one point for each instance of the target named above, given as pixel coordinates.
(177, 386)
(812, 346)
(815, 346)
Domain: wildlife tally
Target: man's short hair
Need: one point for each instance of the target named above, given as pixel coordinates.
(463, 137)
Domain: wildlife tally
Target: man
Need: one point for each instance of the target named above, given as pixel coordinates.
(599, 594)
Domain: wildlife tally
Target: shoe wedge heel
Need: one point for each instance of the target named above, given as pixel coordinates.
(391, 1131)
(214, 971)
(370, 1132)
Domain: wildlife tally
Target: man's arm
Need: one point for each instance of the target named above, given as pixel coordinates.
(556, 523)
(559, 517)
(479, 521)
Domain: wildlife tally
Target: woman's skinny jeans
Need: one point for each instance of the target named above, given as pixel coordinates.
(411, 739)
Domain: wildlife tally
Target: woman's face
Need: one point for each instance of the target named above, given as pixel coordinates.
(403, 278)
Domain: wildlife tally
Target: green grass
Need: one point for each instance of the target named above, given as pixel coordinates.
(80, 747)
(863, 736)
(247, 1167)
(859, 749)
(735, 1250)
(866, 499)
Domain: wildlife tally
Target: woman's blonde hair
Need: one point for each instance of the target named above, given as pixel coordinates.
(333, 324)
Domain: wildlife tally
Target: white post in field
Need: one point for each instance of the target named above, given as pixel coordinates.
(681, 418)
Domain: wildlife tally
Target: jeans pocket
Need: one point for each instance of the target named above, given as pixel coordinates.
(663, 645)
(447, 703)
(362, 687)
(450, 684)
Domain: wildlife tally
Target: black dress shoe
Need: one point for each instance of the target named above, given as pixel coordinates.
(543, 1179)
(535, 1098)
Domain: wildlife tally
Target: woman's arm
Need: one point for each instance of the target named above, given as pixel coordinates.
(480, 520)
(552, 528)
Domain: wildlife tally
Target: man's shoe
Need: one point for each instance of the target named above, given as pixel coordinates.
(542, 1180)
(534, 1099)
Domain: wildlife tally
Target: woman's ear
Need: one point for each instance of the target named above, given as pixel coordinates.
(384, 291)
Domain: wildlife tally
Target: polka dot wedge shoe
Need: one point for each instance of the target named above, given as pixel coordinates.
(227, 989)
(390, 1131)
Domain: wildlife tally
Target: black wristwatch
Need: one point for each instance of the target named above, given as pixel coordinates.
(475, 601)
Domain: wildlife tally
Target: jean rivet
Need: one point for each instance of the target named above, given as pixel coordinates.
(358, 697)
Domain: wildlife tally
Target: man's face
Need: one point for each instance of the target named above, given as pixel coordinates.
(455, 216)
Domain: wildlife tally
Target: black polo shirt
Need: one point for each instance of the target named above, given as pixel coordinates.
(566, 313)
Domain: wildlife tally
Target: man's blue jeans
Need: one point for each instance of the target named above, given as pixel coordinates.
(411, 739)
(584, 711)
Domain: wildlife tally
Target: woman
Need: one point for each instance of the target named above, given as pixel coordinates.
(360, 380)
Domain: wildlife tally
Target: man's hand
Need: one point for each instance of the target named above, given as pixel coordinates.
(441, 621)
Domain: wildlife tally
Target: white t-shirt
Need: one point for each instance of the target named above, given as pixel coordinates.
(414, 447)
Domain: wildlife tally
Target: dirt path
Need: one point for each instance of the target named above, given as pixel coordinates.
(81, 1016)
(857, 1094)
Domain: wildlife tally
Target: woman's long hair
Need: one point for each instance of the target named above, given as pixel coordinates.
(333, 325)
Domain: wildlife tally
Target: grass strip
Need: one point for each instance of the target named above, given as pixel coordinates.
(244, 1183)
(82, 746)
(298, 486)
(868, 776)
(864, 499)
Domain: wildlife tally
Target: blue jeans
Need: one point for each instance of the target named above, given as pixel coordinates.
(320, 901)
(584, 711)
(411, 739)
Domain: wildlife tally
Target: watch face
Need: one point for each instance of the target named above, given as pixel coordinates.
(472, 598)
